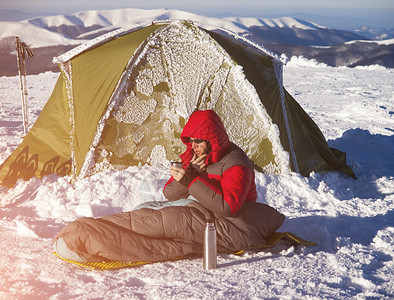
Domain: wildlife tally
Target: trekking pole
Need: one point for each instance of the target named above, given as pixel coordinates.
(21, 50)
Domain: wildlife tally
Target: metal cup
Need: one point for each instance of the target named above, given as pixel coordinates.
(176, 164)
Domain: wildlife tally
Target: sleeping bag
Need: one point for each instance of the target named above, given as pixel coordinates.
(160, 231)
(223, 191)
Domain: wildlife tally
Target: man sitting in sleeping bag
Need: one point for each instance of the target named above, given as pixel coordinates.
(215, 182)
(218, 173)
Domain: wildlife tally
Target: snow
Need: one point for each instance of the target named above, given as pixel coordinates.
(275, 22)
(386, 42)
(34, 35)
(351, 220)
(36, 32)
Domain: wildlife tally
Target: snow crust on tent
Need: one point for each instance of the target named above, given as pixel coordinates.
(178, 69)
(97, 41)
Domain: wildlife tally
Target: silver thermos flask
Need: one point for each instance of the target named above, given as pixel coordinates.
(210, 251)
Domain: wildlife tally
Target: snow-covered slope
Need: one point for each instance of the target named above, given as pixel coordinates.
(34, 35)
(379, 42)
(284, 22)
(351, 220)
(123, 18)
(116, 18)
(51, 36)
(50, 27)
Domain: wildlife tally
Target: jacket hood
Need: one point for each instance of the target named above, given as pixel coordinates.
(206, 125)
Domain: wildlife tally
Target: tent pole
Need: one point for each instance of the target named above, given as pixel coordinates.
(278, 66)
(67, 75)
(21, 49)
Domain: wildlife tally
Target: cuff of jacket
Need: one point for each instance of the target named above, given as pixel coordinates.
(187, 178)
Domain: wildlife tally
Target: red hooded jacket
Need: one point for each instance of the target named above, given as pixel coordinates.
(229, 178)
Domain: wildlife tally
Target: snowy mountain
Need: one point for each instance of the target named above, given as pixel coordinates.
(65, 29)
(350, 54)
(51, 36)
(373, 32)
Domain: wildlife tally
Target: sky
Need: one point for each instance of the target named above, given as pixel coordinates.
(368, 9)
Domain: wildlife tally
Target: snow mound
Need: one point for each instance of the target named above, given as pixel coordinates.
(300, 61)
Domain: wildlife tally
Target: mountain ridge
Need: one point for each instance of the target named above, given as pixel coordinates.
(113, 19)
(51, 36)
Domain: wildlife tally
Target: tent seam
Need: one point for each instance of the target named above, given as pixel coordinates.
(278, 67)
(67, 75)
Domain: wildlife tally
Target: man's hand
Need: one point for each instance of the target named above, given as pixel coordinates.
(198, 163)
(177, 173)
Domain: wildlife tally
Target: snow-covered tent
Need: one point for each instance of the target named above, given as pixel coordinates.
(123, 99)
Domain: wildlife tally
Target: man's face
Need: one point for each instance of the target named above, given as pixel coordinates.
(199, 146)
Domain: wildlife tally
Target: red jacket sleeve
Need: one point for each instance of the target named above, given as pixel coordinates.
(173, 190)
(226, 199)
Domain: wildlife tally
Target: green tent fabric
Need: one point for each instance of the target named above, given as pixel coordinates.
(123, 99)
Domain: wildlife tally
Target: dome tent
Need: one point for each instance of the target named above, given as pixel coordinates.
(123, 99)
